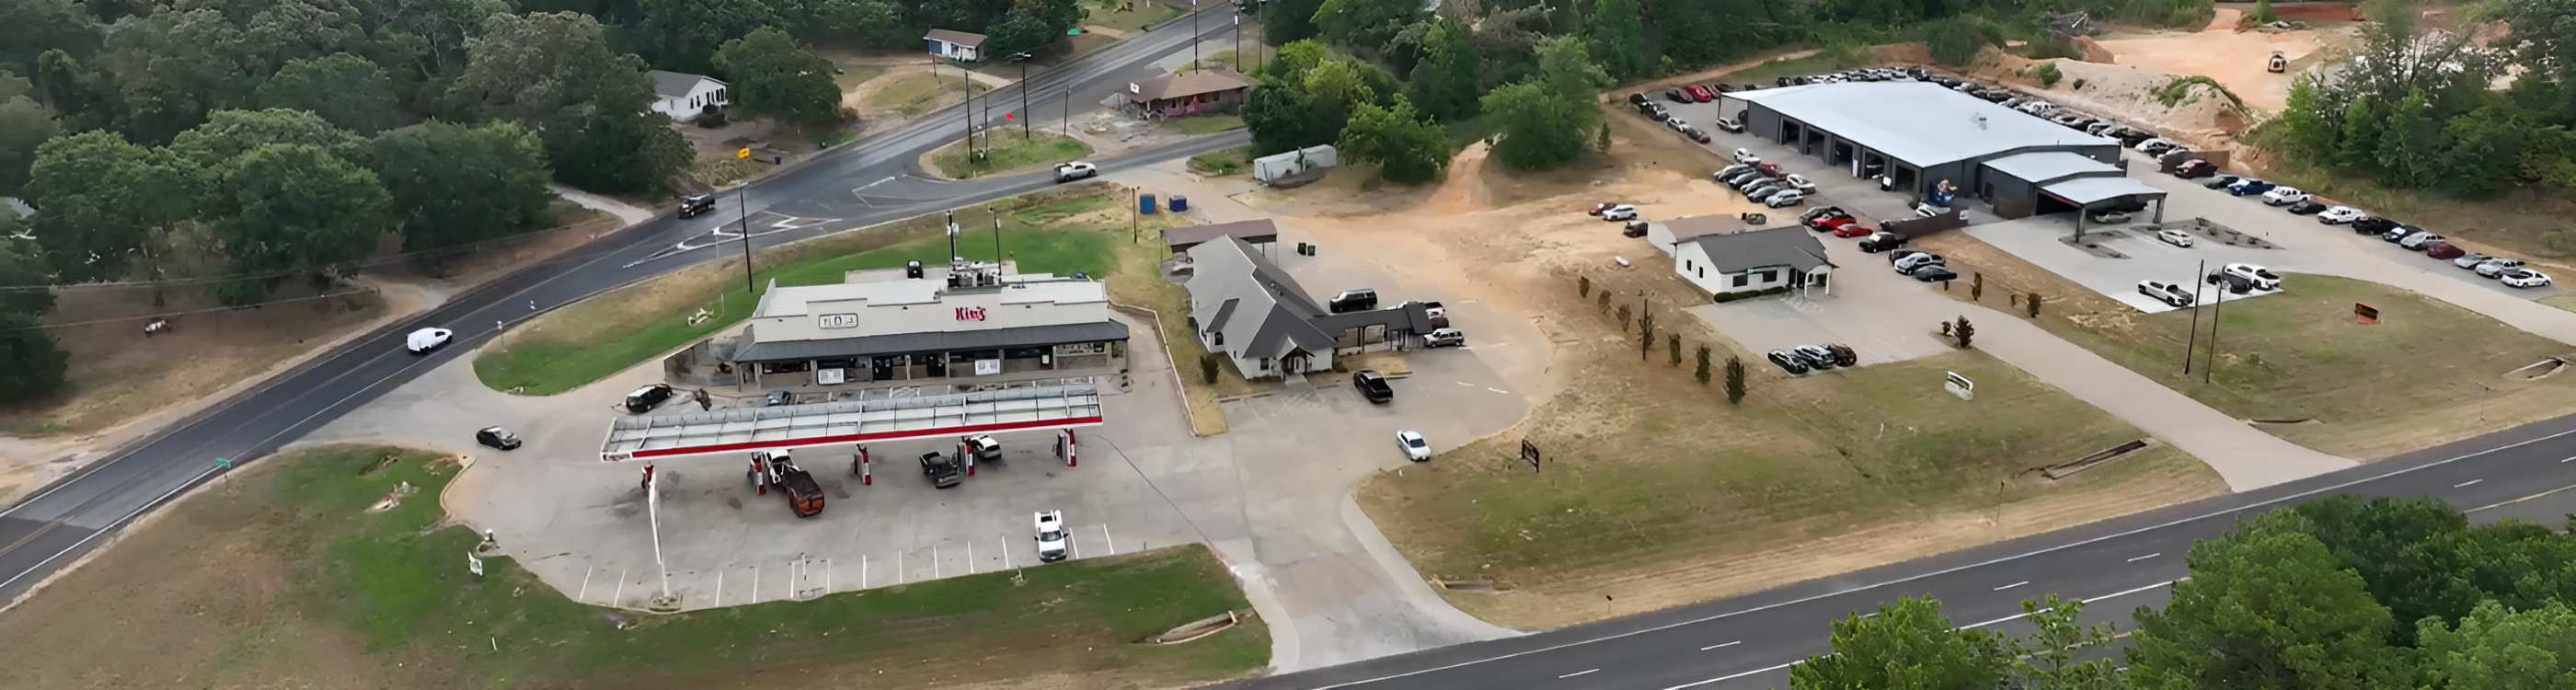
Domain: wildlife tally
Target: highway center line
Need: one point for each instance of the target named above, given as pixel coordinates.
(2466, 483)
(1576, 673)
(2010, 586)
(1714, 646)
(2519, 500)
(1463, 383)
(2145, 557)
(1724, 678)
(1946, 571)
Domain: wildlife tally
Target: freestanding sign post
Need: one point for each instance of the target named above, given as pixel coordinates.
(1529, 454)
(1959, 386)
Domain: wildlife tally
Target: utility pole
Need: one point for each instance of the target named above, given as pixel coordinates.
(1134, 235)
(1645, 326)
(2207, 369)
(1023, 59)
(1194, 35)
(742, 211)
(1066, 124)
(1238, 44)
(2198, 278)
(967, 83)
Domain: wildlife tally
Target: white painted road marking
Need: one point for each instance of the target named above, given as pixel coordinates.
(2010, 586)
(1714, 646)
(2145, 557)
(1577, 673)
(2466, 483)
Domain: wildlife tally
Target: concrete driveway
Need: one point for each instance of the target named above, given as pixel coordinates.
(2127, 255)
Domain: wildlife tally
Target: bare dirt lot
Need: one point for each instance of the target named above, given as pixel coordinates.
(1655, 489)
(2236, 59)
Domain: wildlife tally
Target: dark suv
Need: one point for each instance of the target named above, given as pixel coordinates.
(694, 206)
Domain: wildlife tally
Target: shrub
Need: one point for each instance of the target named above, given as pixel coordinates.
(1583, 286)
(1208, 368)
(2047, 74)
(1734, 380)
(1723, 298)
(1702, 373)
(1965, 332)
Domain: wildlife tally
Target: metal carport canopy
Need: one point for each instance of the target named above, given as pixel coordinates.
(855, 421)
(2086, 191)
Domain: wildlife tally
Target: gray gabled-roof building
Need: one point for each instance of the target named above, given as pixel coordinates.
(1249, 308)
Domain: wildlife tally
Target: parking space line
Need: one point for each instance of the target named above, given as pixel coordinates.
(584, 596)
(719, 588)
(1104, 536)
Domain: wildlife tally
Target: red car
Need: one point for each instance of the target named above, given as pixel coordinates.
(1701, 93)
(1598, 208)
(1769, 169)
(2443, 250)
(1831, 222)
(1853, 230)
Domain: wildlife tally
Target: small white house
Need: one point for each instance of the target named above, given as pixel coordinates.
(956, 45)
(684, 96)
(1754, 260)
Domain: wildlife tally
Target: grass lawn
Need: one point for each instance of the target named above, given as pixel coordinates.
(606, 334)
(1146, 13)
(1657, 491)
(854, 74)
(914, 94)
(2301, 355)
(1204, 124)
(279, 578)
(1009, 150)
(1226, 162)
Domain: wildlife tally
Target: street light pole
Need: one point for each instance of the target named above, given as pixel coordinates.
(2193, 343)
(742, 211)
(1194, 35)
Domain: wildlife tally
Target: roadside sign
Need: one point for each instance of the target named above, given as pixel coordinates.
(1529, 454)
(2365, 312)
(1959, 386)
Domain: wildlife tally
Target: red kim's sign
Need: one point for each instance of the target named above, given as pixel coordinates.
(970, 313)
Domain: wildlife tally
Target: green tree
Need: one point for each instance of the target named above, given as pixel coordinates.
(1955, 41)
(556, 75)
(1701, 372)
(282, 207)
(2263, 12)
(31, 27)
(1408, 148)
(682, 35)
(1283, 118)
(344, 89)
(2495, 648)
(1734, 380)
(2358, 147)
(230, 133)
(2486, 146)
(773, 74)
(22, 264)
(453, 184)
(2048, 658)
(623, 151)
(1445, 83)
(1365, 23)
(1545, 120)
(1907, 645)
(1619, 39)
(2266, 607)
(99, 199)
(2409, 144)
(2304, 120)
(1285, 21)
(24, 125)
(31, 364)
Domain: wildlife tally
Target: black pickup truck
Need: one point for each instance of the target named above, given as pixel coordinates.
(1373, 385)
(943, 472)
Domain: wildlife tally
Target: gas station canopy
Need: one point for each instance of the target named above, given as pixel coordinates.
(856, 421)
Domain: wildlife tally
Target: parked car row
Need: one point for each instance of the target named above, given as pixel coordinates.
(2243, 278)
(1921, 265)
(1762, 182)
(2405, 236)
(1818, 357)
(1866, 74)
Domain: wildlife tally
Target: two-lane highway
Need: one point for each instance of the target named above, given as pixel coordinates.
(2116, 565)
(53, 526)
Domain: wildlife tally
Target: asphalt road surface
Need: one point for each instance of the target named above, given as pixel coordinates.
(2115, 565)
(863, 183)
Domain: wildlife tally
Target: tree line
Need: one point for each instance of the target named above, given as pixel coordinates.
(2341, 592)
(2414, 108)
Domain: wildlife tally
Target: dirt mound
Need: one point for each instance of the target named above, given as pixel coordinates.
(1916, 53)
(2201, 115)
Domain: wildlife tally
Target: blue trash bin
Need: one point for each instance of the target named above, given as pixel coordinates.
(1180, 203)
(1145, 203)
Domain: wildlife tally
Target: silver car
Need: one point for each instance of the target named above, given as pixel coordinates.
(1414, 446)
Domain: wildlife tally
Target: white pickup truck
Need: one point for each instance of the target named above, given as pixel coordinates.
(1051, 535)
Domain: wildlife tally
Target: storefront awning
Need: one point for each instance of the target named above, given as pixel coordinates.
(933, 341)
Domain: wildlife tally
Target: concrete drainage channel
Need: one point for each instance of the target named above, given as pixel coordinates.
(2540, 370)
(1474, 586)
(2097, 458)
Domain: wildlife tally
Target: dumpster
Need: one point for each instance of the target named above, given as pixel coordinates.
(1180, 203)
(1144, 203)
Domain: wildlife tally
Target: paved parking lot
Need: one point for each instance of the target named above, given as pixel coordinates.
(2142, 257)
